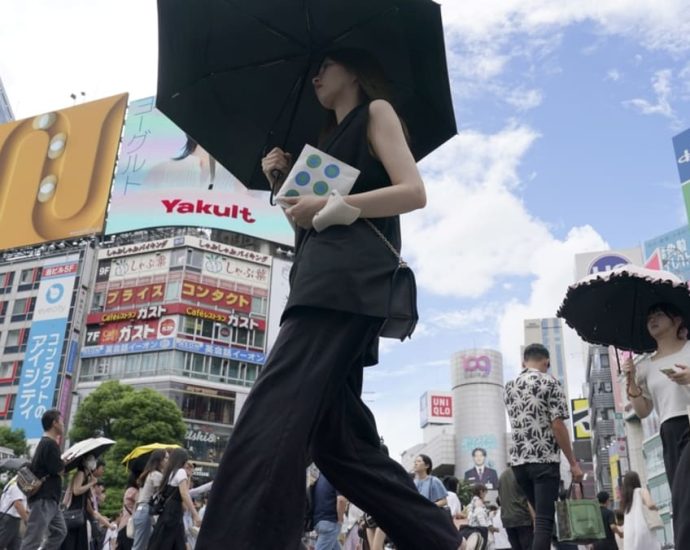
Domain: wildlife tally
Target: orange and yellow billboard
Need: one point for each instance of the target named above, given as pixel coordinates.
(56, 170)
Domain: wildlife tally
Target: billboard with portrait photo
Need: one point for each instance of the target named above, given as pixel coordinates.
(55, 172)
(480, 467)
(164, 178)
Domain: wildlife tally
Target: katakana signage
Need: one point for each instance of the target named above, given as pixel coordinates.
(41, 365)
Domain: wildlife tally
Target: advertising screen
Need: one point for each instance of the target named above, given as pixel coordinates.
(56, 170)
(164, 178)
(673, 253)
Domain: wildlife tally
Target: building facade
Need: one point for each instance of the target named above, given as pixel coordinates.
(603, 414)
(188, 317)
(479, 415)
(43, 296)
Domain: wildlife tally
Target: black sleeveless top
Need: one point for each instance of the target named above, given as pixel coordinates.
(348, 268)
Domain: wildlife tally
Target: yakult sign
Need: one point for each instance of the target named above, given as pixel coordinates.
(436, 407)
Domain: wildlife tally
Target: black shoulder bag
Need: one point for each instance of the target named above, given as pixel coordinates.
(402, 303)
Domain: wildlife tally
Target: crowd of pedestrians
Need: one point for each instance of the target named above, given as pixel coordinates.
(158, 510)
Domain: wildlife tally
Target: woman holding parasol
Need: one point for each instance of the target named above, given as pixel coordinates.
(307, 401)
(661, 382)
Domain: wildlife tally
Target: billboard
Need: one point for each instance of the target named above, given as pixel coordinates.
(44, 350)
(480, 463)
(582, 423)
(165, 179)
(673, 253)
(436, 407)
(681, 147)
(590, 263)
(56, 170)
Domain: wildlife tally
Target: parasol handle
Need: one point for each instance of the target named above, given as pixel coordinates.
(278, 176)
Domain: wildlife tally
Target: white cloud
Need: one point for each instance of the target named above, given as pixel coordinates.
(474, 228)
(657, 24)
(552, 275)
(476, 232)
(661, 84)
(614, 75)
(470, 319)
(524, 99)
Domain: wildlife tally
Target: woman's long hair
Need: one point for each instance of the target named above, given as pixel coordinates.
(631, 481)
(371, 77)
(177, 459)
(155, 463)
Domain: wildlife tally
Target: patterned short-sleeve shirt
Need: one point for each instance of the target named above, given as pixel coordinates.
(534, 400)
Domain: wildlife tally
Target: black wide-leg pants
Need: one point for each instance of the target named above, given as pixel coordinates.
(675, 436)
(306, 403)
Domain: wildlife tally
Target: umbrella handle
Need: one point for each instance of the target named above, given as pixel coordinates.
(278, 176)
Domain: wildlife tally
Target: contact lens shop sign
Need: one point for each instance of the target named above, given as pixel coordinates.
(55, 172)
(44, 349)
(164, 178)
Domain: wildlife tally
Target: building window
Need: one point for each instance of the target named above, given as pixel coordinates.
(26, 276)
(98, 301)
(259, 305)
(172, 291)
(7, 370)
(6, 280)
(19, 309)
(13, 342)
(3, 311)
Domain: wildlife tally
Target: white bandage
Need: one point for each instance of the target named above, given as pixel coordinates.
(336, 212)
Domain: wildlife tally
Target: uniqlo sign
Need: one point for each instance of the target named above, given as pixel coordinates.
(442, 406)
(435, 407)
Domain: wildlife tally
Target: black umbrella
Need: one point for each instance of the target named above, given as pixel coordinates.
(236, 74)
(610, 308)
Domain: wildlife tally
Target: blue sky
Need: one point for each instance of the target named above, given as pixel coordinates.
(566, 113)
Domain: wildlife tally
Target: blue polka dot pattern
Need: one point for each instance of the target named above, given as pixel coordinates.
(320, 188)
(313, 161)
(332, 171)
(302, 178)
(292, 193)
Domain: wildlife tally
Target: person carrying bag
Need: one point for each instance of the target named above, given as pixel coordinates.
(578, 521)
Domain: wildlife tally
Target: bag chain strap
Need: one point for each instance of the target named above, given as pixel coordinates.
(401, 262)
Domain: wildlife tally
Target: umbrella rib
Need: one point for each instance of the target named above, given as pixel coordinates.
(349, 30)
(268, 26)
(255, 64)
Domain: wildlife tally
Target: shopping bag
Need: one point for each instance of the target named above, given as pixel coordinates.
(317, 173)
(579, 521)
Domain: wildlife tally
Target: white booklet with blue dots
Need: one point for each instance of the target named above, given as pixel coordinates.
(316, 173)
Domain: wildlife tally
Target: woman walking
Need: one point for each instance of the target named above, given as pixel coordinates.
(149, 482)
(662, 383)
(306, 402)
(75, 503)
(634, 499)
(169, 533)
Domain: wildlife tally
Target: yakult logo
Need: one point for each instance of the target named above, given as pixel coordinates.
(477, 366)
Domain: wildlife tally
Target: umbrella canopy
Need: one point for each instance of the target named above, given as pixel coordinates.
(95, 446)
(137, 459)
(236, 74)
(611, 308)
(12, 463)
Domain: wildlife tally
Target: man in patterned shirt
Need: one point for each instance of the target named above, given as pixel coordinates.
(537, 407)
